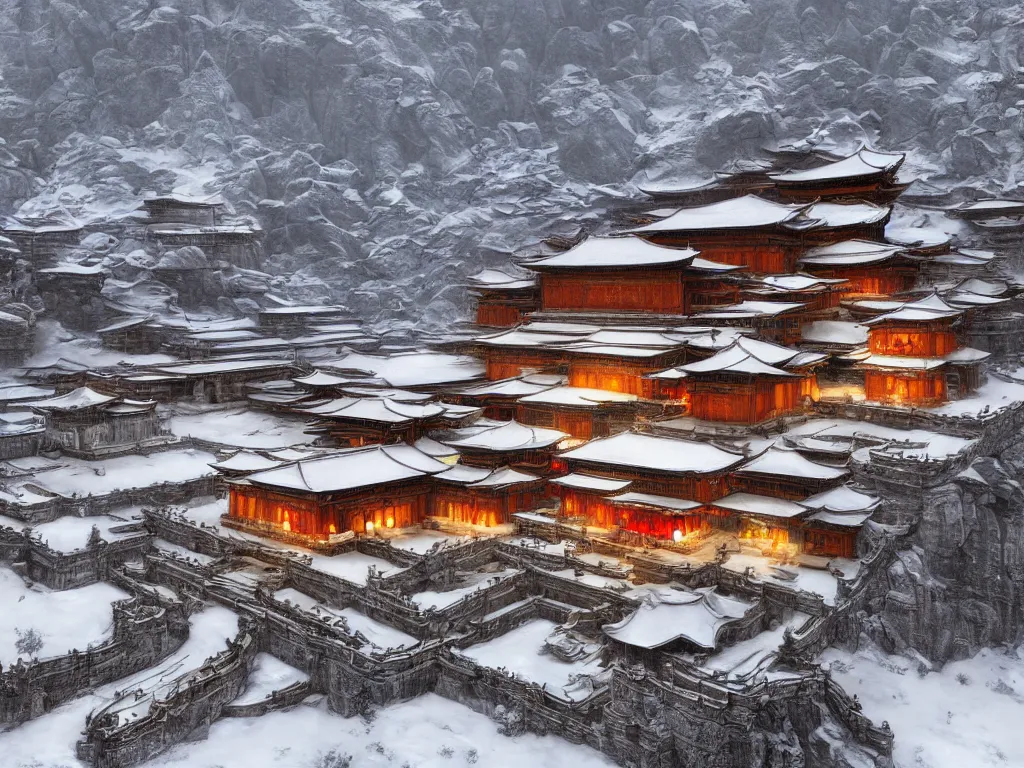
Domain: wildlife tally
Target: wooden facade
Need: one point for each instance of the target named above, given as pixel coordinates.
(504, 363)
(702, 488)
(869, 281)
(535, 460)
(905, 387)
(592, 507)
(99, 432)
(398, 505)
(793, 488)
(581, 423)
(748, 400)
(934, 338)
(659, 291)
(760, 251)
(826, 540)
(617, 375)
(505, 308)
(485, 506)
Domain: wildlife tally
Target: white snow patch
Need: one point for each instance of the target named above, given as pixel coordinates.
(269, 674)
(969, 713)
(73, 618)
(520, 652)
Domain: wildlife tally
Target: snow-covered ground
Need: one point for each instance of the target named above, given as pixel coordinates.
(353, 566)
(54, 343)
(66, 534)
(968, 714)
(77, 476)
(474, 583)
(793, 576)
(237, 426)
(427, 732)
(64, 620)
(381, 636)
(520, 652)
(421, 541)
(49, 741)
(268, 674)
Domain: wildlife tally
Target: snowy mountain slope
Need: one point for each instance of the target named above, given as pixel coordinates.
(390, 147)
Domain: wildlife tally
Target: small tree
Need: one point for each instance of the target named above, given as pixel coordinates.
(29, 642)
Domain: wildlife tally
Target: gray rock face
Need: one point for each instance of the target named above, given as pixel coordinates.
(342, 124)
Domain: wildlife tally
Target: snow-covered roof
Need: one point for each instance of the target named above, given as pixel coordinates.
(851, 253)
(965, 257)
(842, 499)
(776, 461)
(398, 395)
(967, 300)
(246, 461)
(667, 615)
(591, 482)
(744, 212)
(847, 214)
(434, 448)
(495, 279)
(321, 379)
(994, 205)
(508, 436)
(754, 357)
(580, 397)
(358, 468)
(411, 369)
(380, 410)
(840, 332)
(633, 499)
(238, 334)
(478, 477)
(981, 287)
(606, 252)
(967, 355)
(750, 309)
(917, 237)
(902, 363)
(517, 387)
(840, 519)
(75, 400)
(798, 282)
(734, 360)
(932, 307)
(220, 366)
(865, 162)
(661, 454)
(15, 392)
(124, 324)
(753, 504)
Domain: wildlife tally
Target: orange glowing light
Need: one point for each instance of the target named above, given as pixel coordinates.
(369, 526)
(286, 525)
(331, 528)
(677, 535)
(390, 522)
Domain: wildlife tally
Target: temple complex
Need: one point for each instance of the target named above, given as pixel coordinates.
(674, 457)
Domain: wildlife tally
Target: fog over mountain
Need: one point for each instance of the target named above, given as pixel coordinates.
(388, 148)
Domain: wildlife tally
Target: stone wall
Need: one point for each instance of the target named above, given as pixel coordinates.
(146, 630)
(196, 701)
(666, 711)
(156, 495)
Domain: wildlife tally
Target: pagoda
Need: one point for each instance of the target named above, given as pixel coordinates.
(641, 385)
(916, 358)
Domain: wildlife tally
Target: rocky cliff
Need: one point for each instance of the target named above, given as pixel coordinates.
(388, 147)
